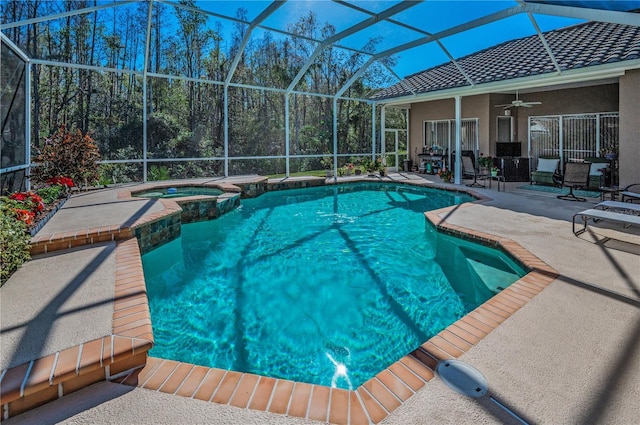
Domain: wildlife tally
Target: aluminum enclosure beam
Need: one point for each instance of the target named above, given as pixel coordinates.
(66, 14)
(588, 14)
(328, 42)
(145, 107)
(544, 43)
(457, 177)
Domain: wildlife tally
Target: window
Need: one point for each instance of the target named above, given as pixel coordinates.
(441, 133)
(505, 129)
(573, 137)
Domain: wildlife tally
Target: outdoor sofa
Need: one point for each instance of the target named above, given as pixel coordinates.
(546, 170)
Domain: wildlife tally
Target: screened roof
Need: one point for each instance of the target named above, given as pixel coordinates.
(374, 43)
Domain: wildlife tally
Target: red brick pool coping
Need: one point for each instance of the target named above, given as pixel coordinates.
(122, 356)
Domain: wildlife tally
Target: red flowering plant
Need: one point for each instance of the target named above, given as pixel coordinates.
(20, 207)
(445, 174)
(25, 216)
(29, 201)
(61, 181)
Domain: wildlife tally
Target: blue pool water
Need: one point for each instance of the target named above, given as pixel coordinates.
(327, 285)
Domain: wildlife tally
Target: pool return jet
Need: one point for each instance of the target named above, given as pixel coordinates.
(466, 380)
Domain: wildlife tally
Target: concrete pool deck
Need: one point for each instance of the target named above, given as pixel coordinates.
(570, 355)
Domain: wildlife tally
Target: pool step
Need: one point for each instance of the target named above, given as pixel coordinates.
(496, 279)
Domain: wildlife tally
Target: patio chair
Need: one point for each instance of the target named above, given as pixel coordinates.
(629, 195)
(576, 175)
(469, 171)
(547, 170)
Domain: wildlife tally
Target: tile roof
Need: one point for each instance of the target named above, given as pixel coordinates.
(578, 46)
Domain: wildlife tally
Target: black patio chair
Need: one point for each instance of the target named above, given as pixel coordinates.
(576, 175)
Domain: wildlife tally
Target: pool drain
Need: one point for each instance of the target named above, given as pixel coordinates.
(466, 380)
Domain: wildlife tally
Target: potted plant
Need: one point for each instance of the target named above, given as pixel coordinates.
(445, 175)
(349, 168)
(327, 163)
(494, 171)
(485, 162)
(369, 165)
(380, 167)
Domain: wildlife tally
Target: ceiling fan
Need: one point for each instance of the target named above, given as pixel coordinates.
(518, 103)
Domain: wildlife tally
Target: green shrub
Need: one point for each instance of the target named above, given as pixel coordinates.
(50, 193)
(122, 172)
(158, 173)
(14, 242)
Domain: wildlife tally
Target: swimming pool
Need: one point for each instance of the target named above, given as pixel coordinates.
(326, 285)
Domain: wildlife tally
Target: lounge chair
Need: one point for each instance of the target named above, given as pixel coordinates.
(576, 175)
(546, 171)
(596, 215)
(629, 195)
(626, 207)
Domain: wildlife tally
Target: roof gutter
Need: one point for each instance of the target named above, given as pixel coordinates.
(545, 80)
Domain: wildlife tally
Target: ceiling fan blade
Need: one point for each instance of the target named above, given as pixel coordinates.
(506, 105)
(534, 103)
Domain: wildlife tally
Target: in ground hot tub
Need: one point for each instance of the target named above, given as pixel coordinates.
(177, 192)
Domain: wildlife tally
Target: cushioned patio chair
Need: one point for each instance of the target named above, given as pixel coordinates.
(576, 175)
(546, 170)
(596, 174)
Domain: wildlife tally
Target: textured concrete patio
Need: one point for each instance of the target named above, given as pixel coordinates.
(571, 355)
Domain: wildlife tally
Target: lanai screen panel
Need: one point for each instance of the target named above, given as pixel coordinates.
(310, 124)
(256, 122)
(13, 149)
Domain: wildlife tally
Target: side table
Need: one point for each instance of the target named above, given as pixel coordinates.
(612, 192)
(499, 179)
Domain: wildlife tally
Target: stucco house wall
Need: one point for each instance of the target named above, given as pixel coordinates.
(629, 153)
